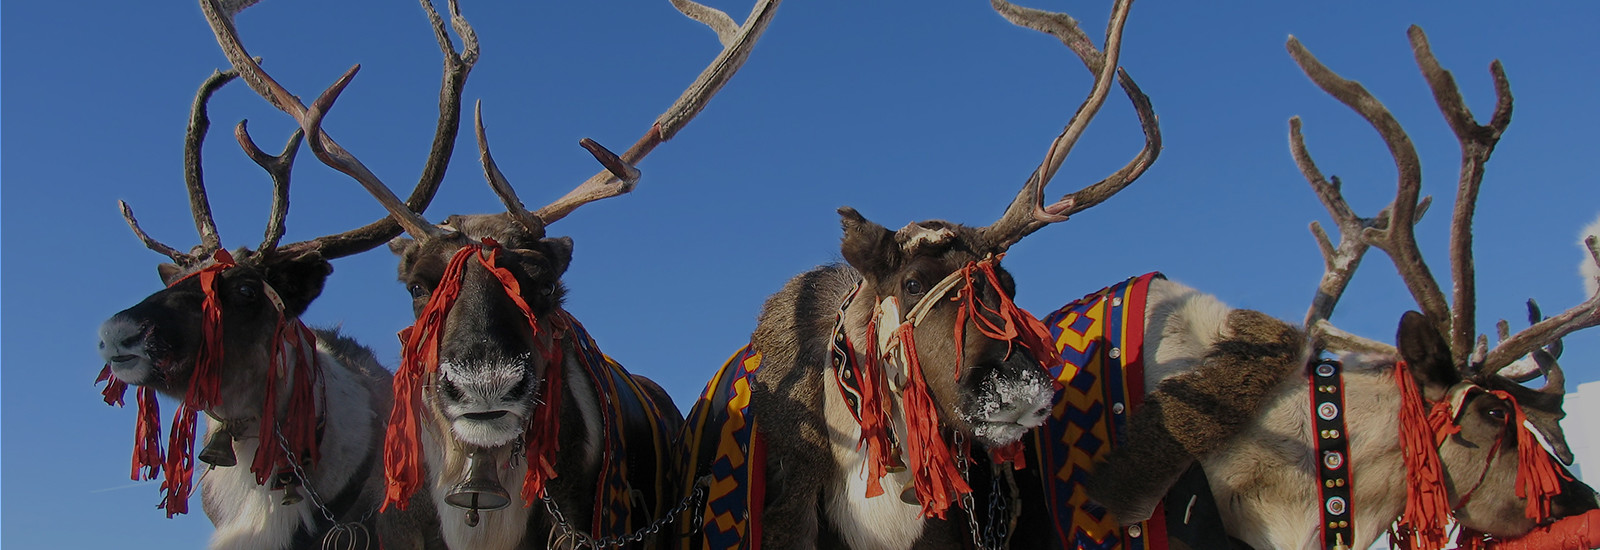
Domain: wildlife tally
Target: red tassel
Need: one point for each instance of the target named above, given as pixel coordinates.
(1538, 479)
(1581, 532)
(874, 413)
(542, 438)
(1015, 324)
(402, 445)
(178, 471)
(293, 359)
(933, 470)
(115, 389)
(1422, 525)
(147, 453)
(1010, 453)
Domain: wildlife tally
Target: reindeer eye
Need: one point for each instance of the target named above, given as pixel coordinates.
(1497, 413)
(417, 290)
(913, 287)
(246, 291)
(548, 290)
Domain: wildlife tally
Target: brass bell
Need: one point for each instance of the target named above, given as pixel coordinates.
(481, 490)
(290, 484)
(909, 495)
(219, 450)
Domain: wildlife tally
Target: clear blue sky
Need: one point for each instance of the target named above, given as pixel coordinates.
(904, 110)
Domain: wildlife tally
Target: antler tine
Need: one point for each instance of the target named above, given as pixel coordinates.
(177, 257)
(279, 168)
(333, 155)
(193, 173)
(1477, 143)
(1398, 239)
(620, 176)
(497, 180)
(457, 67)
(1027, 213)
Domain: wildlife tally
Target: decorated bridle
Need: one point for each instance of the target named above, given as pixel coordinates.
(1423, 429)
(891, 362)
(402, 453)
(293, 359)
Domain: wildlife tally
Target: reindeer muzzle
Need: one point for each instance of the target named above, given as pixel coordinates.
(481, 490)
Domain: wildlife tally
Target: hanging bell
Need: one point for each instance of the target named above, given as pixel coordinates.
(291, 488)
(219, 450)
(908, 495)
(481, 490)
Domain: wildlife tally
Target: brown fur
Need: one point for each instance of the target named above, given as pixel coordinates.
(1195, 413)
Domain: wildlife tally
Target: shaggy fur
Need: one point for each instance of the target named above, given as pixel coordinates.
(1191, 414)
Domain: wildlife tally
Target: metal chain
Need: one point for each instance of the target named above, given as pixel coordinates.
(339, 531)
(967, 504)
(581, 539)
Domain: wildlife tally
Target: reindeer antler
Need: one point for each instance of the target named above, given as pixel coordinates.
(457, 67)
(1027, 212)
(1392, 230)
(620, 176)
(194, 180)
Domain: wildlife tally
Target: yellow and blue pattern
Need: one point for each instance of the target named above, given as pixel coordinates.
(1101, 381)
(721, 441)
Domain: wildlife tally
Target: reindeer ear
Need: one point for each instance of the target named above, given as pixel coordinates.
(867, 246)
(560, 251)
(1425, 351)
(169, 272)
(400, 245)
(299, 282)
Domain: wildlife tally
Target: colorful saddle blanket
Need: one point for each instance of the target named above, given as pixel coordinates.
(638, 440)
(1100, 338)
(722, 442)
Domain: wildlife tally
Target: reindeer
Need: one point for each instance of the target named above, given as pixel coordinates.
(1439, 425)
(497, 378)
(304, 407)
(886, 374)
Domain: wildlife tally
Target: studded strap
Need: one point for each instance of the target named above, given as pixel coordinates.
(1333, 453)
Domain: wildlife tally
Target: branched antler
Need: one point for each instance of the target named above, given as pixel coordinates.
(1027, 213)
(1392, 230)
(619, 175)
(278, 167)
(194, 180)
(456, 68)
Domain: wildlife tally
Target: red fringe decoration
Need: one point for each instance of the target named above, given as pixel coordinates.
(1422, 526)
(542, 442)
(1538, 479)
(933, 469)
(1579, 532)
(402, 445)
(147, 452)
(300, 429)
(874, 413)
(115, 389)
(1015, 324)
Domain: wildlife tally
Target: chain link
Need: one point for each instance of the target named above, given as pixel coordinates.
(580, 539)
(354, 531)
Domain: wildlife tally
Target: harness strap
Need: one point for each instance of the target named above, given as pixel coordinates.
(1334, 485)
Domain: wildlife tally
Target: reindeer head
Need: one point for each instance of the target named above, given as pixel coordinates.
(157, 341)
(491, 357)
(980, 356)
(1499, 477)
